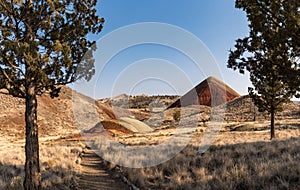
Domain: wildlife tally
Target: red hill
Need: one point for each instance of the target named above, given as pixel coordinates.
(210, 92)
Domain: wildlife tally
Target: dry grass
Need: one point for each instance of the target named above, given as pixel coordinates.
(57, 159)
(242, 157)
(237, 160)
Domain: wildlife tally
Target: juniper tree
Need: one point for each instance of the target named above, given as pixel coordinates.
(42, 43)
(270, 53)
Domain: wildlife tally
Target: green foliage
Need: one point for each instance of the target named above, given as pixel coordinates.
(43, 42)
(271, 51)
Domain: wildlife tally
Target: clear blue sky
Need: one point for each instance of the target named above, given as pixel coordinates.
(217, 23)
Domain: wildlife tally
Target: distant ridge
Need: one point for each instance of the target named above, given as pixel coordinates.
(210, 92)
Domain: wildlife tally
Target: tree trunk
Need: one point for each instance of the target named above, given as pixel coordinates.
(32, 179)
(272, 124)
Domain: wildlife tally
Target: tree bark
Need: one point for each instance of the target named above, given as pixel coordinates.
(272, 124)
(32, 179)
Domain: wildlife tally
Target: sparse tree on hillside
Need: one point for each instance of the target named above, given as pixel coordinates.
(270, 53)
(42, 43)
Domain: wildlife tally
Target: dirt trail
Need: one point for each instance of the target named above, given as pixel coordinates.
(94, 174)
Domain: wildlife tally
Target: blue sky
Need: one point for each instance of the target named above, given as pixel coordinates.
(217, 23)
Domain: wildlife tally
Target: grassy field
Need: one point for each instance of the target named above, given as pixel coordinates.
(237, 160)
(59, 164)
(242, 156)
(244, 159)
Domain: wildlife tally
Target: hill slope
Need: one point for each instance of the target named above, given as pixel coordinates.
(55, 116)
(210, 92)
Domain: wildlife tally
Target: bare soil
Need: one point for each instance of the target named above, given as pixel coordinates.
(96, 175)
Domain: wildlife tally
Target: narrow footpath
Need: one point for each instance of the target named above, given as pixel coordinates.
(94, 174)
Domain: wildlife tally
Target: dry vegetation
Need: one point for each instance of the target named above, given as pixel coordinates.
(59, 164)
(238, 160)
(242, 157)
(58, 156)
(139, 101)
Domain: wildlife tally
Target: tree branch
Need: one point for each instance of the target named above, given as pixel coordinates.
(13, 66)
(6, 76)
(4, 6)
(14, 95)
(267, 11)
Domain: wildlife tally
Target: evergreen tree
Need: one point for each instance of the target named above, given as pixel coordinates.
(270, 53)
(42, 43)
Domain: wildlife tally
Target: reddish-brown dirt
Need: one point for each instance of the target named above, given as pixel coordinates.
(210, 92)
